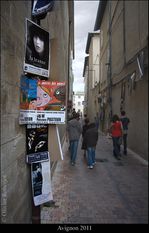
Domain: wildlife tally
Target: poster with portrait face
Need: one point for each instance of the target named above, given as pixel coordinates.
(37, 55)
(41, 182)
(42, 102)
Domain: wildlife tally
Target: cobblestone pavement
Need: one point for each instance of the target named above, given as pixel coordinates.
(115, 191)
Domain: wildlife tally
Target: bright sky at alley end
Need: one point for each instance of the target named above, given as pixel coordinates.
(85, 15)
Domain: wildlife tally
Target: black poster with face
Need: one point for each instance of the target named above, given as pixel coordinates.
(36, 138)
(37, 50)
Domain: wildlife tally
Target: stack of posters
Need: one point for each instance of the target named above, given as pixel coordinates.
(38, 157)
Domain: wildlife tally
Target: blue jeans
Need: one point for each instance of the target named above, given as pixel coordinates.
(73, 150)
(90, 156)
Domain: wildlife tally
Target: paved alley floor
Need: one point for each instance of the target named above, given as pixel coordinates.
(115, 191)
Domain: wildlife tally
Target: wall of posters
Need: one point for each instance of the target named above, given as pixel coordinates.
(37, 50)
(42, 102)
(41, 182)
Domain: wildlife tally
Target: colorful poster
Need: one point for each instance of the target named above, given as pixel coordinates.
(51, 95)
(41, 182)
(42, 102)
(37, 50)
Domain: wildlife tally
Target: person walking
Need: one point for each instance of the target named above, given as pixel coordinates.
(74, 131)
(116, 131)
(90, 140)
(125, 122)
(84, 128)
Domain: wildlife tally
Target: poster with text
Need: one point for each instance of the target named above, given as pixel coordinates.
(37, 55)
(42, 102)
(41, 182)
(36, 138)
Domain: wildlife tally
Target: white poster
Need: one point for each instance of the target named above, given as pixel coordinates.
(41, 117)
(41, 182)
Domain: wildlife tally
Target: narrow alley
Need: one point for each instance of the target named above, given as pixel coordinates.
(114, 191)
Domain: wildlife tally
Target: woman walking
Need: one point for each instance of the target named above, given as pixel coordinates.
(116, 130)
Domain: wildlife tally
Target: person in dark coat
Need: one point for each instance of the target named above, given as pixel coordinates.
(90, 140)
(74, 131)
(125, 122)
(84, 128)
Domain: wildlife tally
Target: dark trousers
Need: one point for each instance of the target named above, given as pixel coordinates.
(116, 146)
(125, 143)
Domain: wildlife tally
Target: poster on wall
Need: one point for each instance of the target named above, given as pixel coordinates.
(36, 138)
(42, 102)
(41, 7)
(37, 157)
(37, 50)
(41, 182)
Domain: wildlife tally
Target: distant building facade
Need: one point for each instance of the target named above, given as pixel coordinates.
(78, 102)
(91, 75)
(123, 75)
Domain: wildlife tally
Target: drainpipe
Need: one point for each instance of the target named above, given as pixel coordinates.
(124, 33)
(110, 65)
(35, 209)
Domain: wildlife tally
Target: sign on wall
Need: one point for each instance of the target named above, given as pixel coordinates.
(37, 50)
(41, 7)
(42, 102)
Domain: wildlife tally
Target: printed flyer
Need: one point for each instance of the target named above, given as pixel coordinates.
(42, 102)
(41, 182)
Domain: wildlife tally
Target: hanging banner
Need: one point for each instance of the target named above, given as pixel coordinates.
(41, 7)
(42, 102)
(37, 50)
(41, 182)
